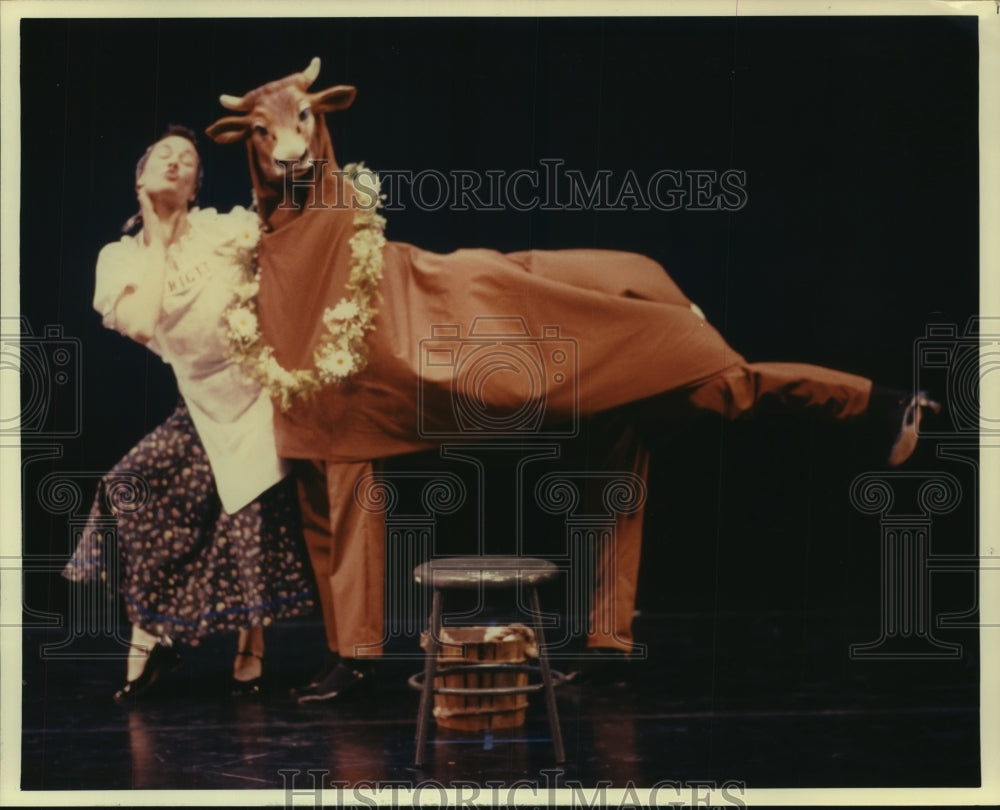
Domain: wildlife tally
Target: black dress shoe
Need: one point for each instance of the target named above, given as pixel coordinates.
(329, 665)
(251, 688)
(161, 659)
(346, 676)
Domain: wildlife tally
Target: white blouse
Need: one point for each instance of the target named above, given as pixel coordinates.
(232, 413)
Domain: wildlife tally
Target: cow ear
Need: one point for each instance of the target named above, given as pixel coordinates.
(228, 130)
(333, 98)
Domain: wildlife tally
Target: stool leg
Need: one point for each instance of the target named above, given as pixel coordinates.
(550, 692)
(430, 668)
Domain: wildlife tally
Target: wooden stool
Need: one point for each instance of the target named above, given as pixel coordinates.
(488, 572)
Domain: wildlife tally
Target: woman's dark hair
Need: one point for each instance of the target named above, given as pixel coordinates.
(180, 131)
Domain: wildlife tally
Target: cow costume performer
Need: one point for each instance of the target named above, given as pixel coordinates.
(342, 318)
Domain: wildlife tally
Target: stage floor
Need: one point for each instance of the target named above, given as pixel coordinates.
(767, 700)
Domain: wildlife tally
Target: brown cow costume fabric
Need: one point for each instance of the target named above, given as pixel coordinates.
(635, 334)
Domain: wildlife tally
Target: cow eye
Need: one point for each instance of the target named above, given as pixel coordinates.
(259, 130)
(304, 114)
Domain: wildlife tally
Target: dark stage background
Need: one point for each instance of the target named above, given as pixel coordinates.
(858, 137)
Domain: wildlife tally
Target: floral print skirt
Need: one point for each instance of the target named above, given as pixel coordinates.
(157, 533)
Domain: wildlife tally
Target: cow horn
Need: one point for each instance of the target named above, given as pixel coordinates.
(235, 103)
(308, 76)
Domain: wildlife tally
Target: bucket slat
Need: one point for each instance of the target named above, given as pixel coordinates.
(472, 712)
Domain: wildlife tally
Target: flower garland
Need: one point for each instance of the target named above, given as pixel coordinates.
(341, 351)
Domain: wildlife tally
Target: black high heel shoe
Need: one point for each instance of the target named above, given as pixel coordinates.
(161, 659)
(251, 688)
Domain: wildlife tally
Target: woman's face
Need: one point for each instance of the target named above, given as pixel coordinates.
(171, 169)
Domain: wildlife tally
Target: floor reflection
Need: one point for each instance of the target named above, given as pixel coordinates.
(740, 709)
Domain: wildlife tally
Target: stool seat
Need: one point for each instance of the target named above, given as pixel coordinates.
(488, 571)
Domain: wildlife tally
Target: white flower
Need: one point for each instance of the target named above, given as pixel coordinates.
(286, 378)
(247, 290)
(242, 322)
(366, 246)
(336, 364)
(278, 374)
(246, 236)
(341, 350)
(344, 311)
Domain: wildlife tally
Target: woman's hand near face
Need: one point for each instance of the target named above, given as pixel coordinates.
(157, 232)
(138, 310)
(152, 231)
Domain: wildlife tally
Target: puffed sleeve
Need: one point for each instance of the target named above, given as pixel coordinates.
(118, 272)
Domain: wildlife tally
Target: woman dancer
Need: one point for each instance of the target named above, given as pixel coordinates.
(208, 529)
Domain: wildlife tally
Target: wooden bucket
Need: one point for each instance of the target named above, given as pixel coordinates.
(511, 644)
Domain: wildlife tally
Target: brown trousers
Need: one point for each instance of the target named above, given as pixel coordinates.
(347, 544)
(347, 549)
